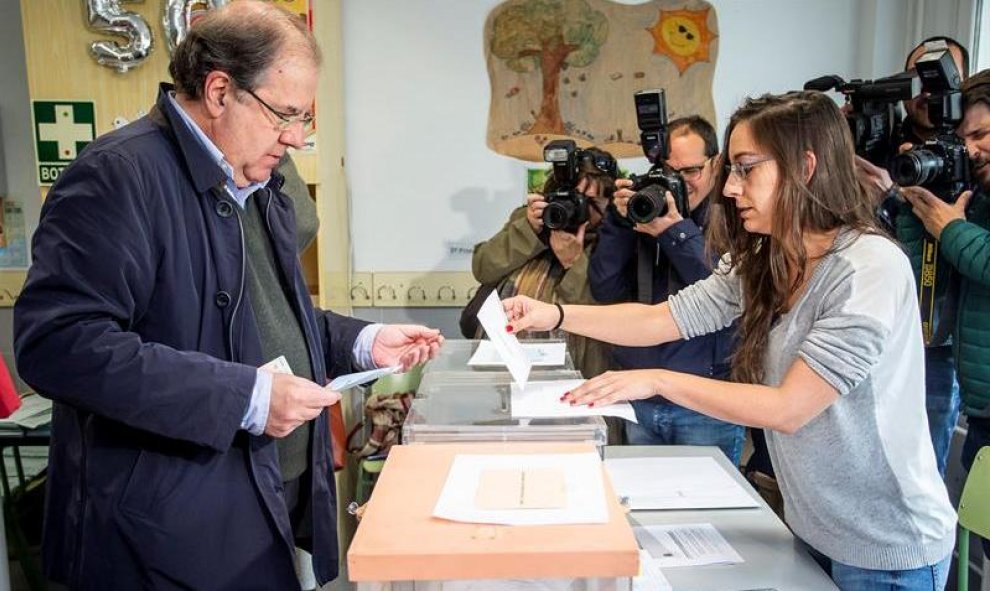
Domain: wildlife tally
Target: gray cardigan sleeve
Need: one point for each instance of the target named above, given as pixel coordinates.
(708, 305)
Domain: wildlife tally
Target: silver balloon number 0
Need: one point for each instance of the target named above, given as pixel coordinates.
(106, 16)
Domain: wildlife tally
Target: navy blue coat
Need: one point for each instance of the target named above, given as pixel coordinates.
(679, 260)
(135, 321)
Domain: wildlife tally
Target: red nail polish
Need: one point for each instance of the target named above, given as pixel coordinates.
(590, 404)
(508, 328)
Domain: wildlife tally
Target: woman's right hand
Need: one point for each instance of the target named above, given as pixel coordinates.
(525, 313)
(535, 204)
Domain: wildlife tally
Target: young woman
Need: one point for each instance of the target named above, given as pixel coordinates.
(829, 359)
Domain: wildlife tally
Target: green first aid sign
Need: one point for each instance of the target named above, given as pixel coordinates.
(61, 130)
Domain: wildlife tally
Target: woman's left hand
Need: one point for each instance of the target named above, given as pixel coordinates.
(615, 386)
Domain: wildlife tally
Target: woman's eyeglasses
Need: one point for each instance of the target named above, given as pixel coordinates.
(740, 170)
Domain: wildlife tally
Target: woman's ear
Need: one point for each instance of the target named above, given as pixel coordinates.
(810, 163)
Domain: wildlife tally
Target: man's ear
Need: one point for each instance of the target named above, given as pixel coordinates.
(216, 89)
(810, 163)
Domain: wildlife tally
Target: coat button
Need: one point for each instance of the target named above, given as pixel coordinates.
(223, 299)
(224, 209)
(682, 235)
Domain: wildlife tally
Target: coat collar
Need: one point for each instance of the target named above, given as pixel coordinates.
(202, 168)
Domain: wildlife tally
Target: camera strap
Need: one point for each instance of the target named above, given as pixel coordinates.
(926, 287)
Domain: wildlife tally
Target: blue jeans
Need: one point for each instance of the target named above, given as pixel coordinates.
(941, 400)
(663, 423)
(851, 578)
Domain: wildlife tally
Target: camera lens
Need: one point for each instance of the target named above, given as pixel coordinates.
(557, 214)
(916, 167)
(647, 204)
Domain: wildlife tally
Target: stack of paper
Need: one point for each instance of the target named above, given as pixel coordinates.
(34, 412)
(676, 483)
(549, 354)
(693, 544)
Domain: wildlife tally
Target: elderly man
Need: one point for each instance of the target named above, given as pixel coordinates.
(165, 275)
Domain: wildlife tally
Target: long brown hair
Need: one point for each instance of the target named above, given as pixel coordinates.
(772, 267)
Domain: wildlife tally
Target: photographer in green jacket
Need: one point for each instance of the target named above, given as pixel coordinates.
(963, 231)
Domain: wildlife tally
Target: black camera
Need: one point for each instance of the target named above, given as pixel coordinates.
(566, 208)
(941, 165)
(874, 117)
(650, 201)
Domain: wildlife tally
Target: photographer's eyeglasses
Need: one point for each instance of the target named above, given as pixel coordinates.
(740, 170)
(692, 173)
(286, 120)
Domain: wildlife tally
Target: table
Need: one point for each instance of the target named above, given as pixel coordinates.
(16, 439)
(773, 557)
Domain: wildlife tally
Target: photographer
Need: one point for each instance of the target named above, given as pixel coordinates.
(647, 262)
(917, 127)
(963, 231)
(941, 388)
(527, 258)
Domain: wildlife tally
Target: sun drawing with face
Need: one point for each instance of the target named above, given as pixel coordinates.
(683, 36)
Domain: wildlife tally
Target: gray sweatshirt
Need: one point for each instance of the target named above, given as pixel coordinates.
(859, 481)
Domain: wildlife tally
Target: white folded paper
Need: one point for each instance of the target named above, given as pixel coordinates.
(492, 317)
(542, 400)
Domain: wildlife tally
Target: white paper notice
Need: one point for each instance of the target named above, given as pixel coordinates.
(675, 483)
(541, 354)
(691, 544)
(584, 490)
(650, 577)
(350, 380)
(541, 400)
(510, 351)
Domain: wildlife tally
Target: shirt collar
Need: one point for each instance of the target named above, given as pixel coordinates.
(239, 195)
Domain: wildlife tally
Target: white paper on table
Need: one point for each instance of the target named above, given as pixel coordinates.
(492, 317)
(540, 354)
(583, 475)
(650, 578)
(675, 483)
(350, 380)
(685, 544)
(541, 400)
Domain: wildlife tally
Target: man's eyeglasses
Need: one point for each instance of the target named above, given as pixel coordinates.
(740, 170)
(285, 120)
(691, 173)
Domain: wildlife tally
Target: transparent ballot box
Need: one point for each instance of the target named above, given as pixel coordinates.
(455, 354)
(454, 408)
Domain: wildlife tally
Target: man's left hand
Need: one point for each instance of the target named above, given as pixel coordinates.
(934, 213)
(406, 345)
(659, 225)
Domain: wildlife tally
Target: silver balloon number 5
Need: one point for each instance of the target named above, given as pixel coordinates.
(106, 16)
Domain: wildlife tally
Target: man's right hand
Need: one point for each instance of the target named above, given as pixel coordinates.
(535, 204)
(295, 401)
(623, 193)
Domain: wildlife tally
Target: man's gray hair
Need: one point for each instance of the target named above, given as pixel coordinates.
(242, 39)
